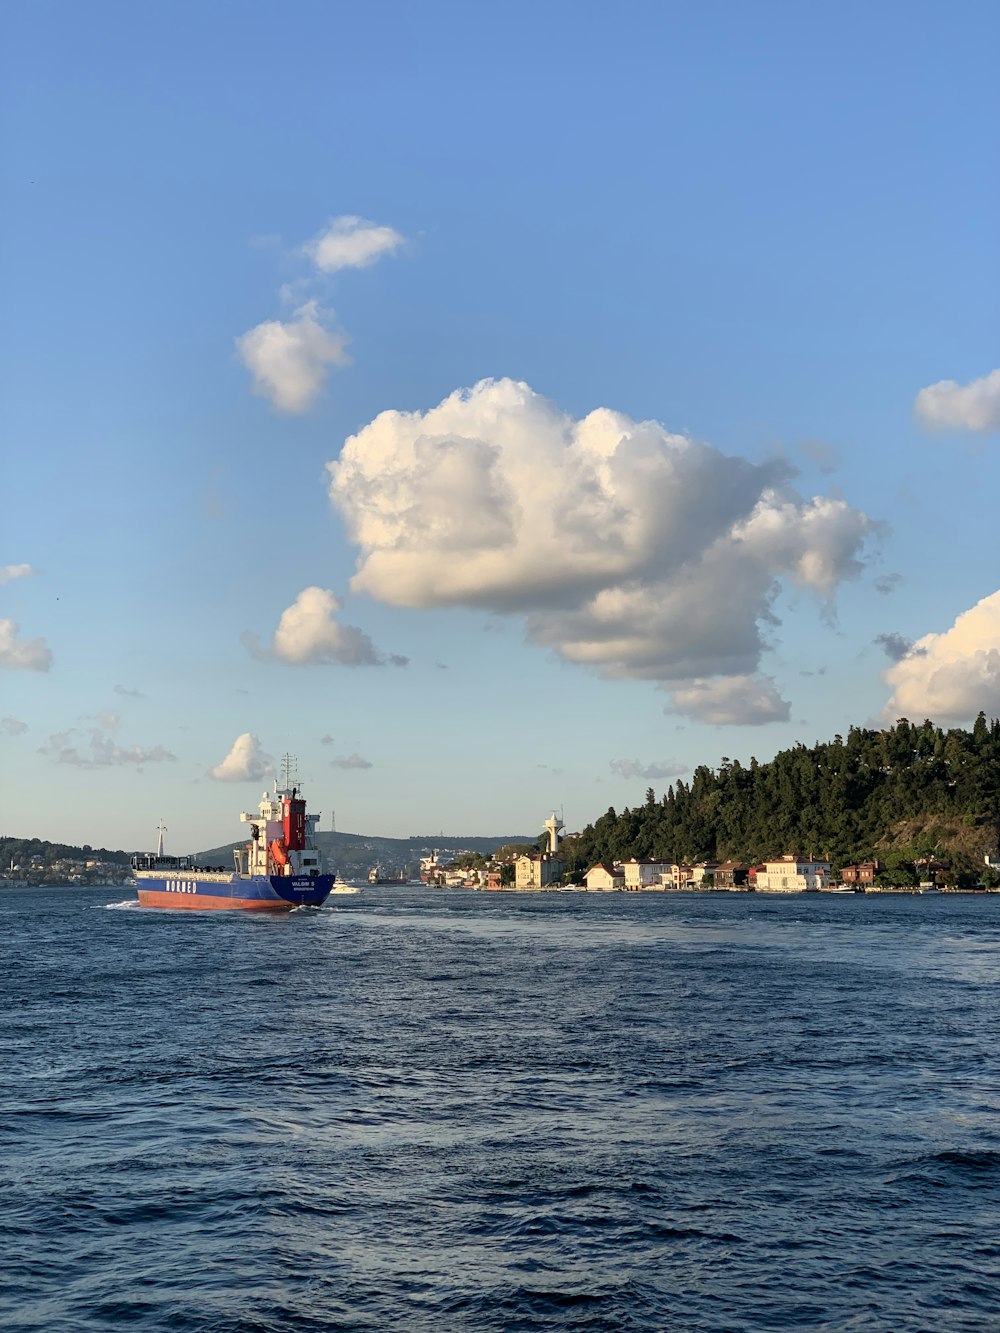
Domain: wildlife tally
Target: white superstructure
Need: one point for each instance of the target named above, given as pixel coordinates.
(282, 835)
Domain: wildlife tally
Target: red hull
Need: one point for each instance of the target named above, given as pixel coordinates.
(201, 902)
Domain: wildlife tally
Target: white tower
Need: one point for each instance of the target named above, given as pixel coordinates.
(161, 828)
(552, 826)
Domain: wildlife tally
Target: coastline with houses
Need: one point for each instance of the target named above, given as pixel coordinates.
(547, 870)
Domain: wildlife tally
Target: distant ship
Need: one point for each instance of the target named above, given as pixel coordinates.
(379, 876)
(278, 869)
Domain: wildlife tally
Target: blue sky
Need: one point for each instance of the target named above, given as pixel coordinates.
(731, 273)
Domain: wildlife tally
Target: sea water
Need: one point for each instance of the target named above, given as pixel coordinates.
(444, 1110)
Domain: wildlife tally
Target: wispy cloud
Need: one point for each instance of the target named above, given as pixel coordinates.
(632, 768)
(12, 726)
(350, 761)
(949, 405)
(8, 573)
(352, 242)
(893, 645)
(100, 751)
(888, 583)
(129, 694)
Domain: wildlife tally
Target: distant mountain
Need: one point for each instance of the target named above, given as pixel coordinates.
(352, 855)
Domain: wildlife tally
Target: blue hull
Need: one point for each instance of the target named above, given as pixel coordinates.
(216, 891)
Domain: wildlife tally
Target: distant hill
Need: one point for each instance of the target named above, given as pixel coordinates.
(352, 855)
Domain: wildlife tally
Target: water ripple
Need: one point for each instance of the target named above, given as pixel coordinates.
(456, 1111)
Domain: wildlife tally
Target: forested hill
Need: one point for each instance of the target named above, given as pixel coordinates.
(913, 788)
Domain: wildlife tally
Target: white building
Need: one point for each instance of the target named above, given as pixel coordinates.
(793, 874)
(641, 875)
(605, 878)
(676, 876)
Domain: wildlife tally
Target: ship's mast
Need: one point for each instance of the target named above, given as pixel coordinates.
(288, 771)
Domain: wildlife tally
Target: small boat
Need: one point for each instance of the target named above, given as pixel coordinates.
(277, 870)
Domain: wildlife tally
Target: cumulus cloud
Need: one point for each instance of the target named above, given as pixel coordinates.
(748, 701)
(626, 548)
(632, 768)
(8, 573)
(350, 761)
(100, 751)
(245, 762)
(352, 242)
(894, 646)
(948, 405)
(289, 360)
(308, 634)
(12, 726)
(22, 654)
(951, 676)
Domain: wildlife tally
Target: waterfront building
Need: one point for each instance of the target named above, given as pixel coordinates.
(793, 874)
(676, 876)
(605, 878)
(861, 875)
(731, 875)
(703, 875)
(541, 869)
(639, 875)
(537, 871)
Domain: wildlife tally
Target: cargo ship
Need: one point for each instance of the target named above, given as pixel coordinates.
(276, 870)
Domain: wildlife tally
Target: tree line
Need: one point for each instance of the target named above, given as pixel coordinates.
(836, 799)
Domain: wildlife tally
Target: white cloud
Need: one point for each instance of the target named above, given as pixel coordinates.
(10, 572)
(951, 676)
(289, 359)
(625, 547)
(12, 726)
(948, 405)
(22, 654)
(632, 768)
(352, 242)
(129, 694)
(748, 701)
(308, 634)
(245, 762)
(100, 751)
(350, 761)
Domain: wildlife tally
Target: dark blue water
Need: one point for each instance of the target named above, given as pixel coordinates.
(452, 1111)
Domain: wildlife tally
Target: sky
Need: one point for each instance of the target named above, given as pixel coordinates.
(497, 408)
